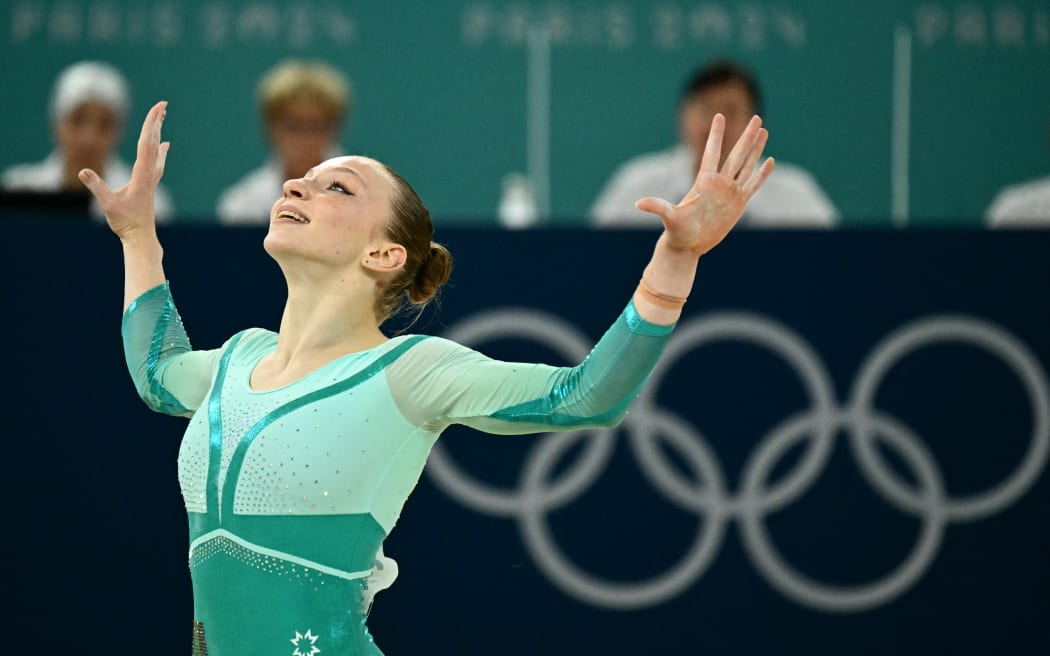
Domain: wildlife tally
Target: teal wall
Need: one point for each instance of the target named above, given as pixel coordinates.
(441, 89)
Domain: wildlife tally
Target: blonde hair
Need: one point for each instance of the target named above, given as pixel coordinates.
(314, 80)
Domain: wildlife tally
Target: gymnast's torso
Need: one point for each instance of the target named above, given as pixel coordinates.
(291, 491)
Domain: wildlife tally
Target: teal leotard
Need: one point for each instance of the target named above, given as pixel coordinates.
(291, 491)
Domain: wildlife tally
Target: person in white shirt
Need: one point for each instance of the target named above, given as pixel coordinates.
(1022, 205)
(88, 105)
(1025, 205)
(790, 198)
(303, 106)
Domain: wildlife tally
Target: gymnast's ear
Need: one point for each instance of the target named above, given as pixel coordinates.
(385, 258)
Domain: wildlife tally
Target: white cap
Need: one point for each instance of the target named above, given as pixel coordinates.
(89, 81)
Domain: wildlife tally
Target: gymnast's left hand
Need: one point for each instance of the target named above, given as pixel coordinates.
(717, 198)
(129, 210)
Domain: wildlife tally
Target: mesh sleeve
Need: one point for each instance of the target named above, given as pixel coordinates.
(168, 375)
(439, 382)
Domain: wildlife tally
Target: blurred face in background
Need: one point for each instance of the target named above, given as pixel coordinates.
(731, 99)
(302, 131)
(87, 136)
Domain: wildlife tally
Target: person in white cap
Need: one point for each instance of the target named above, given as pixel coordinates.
(88, 106)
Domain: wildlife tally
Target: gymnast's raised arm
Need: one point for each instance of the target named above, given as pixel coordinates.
(129, 210)
(169, 376)
(457, 385)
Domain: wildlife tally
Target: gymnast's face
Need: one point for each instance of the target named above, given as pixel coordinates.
(335, 215)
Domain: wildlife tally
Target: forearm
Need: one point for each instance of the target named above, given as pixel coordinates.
(154, 339)
(143, 268)
(670, 272)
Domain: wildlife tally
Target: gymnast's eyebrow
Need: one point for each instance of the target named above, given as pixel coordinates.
(339, 168)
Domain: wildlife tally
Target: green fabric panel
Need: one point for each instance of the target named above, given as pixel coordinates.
(152, 332)
(215, 431)
(642, 327)
(250, 605)
(598, 391)
(345, 542)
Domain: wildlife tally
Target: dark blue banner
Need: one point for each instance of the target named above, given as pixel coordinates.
(842, 452)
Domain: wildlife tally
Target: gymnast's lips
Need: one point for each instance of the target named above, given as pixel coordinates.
(290, 213)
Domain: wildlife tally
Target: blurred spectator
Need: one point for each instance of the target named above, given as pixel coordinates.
(303, 106)
(790, 197)
(1024, 205)
(88, 105)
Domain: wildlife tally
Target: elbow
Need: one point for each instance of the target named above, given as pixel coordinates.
(609, 419)
(159, 399)
(157, 405)
(163, 408)
(614, 420)
(606, 413)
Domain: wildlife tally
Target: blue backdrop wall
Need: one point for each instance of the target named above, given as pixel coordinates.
(843, 452)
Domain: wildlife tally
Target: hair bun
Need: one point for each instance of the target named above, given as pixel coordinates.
(433, 272)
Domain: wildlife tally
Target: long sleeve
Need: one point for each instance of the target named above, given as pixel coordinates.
(168, 375)
(439, 382)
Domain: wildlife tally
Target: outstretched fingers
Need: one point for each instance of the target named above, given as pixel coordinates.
(148, 151)
(162, 157)
(713, 148)
(758, 177)
(753, 155)
(132, 205)
(742, 148)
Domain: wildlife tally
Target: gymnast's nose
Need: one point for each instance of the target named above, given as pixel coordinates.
(295, 188)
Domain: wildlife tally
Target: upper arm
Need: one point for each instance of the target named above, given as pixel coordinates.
(439, 382)
(186, 378)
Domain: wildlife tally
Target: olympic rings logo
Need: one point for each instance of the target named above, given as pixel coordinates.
(708, 497)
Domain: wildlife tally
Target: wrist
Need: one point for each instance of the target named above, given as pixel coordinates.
(686, 253)
(139, 238)
(658, 298)
(142, 247)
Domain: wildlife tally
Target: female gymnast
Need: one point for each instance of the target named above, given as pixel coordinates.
(303, 445)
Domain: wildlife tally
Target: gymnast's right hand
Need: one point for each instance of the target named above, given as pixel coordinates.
(129, 209)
